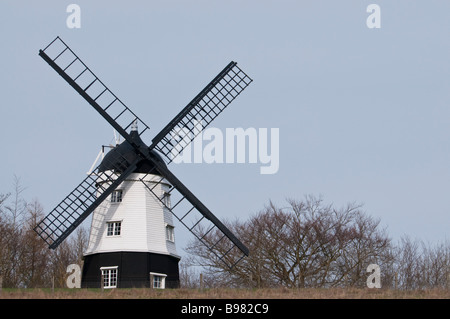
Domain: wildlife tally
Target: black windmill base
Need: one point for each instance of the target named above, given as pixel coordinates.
(133, 270)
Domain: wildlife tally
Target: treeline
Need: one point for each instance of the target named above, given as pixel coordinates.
(312, 244)
(25, 259)
(305, 244)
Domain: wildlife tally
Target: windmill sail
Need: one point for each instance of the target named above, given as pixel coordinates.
(204, 108)
(79, 204)
(64, 61)
(198, 219)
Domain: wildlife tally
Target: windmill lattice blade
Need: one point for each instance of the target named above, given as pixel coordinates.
(61, 58)
(82, 201)
(198, 219)
(203, 109)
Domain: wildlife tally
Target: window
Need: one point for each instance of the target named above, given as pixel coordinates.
(158, 280)
(166, 199)
(170, 233)
(109, 277)
(113, 228)
(116, 196)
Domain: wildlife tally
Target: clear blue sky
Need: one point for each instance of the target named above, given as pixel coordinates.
(363, 113)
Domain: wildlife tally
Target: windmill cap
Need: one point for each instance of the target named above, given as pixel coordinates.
(121, 156)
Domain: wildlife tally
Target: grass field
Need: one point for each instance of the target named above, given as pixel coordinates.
(275, 293)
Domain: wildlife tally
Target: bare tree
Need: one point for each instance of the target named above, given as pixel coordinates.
(68, 252)
(435, 267)
(421, 266)
(18, 208)
(366, 244)
(25, 259)
(408, 256)
(4, 240)
(34, 260)
(78, 243)
(13, 210)
(306, 244)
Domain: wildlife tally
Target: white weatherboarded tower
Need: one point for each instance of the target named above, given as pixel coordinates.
(132, 241)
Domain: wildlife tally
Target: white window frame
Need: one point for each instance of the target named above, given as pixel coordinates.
(161, 277)
(117, 196)
(116, 228)
(110, 275)
(170, 233)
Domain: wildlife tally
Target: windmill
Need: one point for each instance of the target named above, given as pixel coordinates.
(132, 194)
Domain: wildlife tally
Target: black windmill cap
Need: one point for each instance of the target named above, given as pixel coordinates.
(121, 156)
